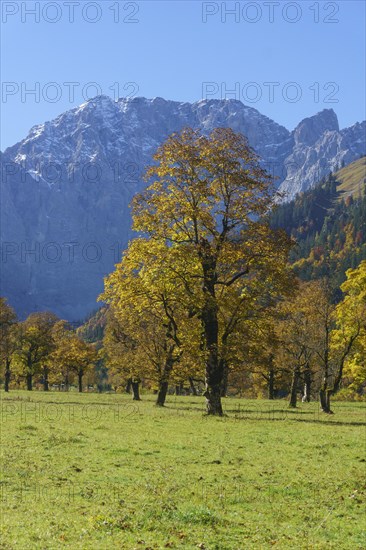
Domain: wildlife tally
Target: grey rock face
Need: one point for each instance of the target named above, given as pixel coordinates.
(319, 148)
(66, 188)
(309, 129)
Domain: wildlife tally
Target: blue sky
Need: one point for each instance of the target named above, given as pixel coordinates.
(287, 59)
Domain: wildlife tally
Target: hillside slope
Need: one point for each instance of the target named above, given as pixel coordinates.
(352, 179)
(329, 225)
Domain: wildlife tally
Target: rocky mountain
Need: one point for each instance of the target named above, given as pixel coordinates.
(65, 189)
(319, 147)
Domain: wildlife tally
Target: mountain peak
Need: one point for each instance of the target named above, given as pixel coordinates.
(310, 129)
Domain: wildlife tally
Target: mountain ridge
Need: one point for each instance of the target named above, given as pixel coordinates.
(66, 188)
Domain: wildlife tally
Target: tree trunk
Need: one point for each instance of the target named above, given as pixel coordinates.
(29, 376)
(225, 378)
(45, 380)
(294, 385)
(80, 378)
(209, 318)
(67, 382)
(307, 385)
(213, 399)
(271, 379)
(136, 390)
(214, 367)
(324, 396)
(163, 390)
(322, 399)
(7, 375)
(164, 379)
(193, 387)
(179, 389)
(324, 392)
(338, 378)
(128, 385)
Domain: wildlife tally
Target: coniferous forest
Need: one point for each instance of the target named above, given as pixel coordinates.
(329, 226)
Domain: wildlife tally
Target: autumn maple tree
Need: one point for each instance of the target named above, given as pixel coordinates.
(35, 345)
(119, 354)
(301, 334)
(206, 202)
(349, 336)
(147, 319)
(8, 341)
(71, 356)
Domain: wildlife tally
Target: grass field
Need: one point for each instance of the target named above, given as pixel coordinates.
(101, 472)
(352, 178)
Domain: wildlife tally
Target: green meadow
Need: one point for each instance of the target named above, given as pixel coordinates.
(98, 471)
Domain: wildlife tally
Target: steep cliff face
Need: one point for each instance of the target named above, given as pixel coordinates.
(319, 148)
(65, 189)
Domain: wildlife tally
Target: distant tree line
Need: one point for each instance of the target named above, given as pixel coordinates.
(43, 350)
